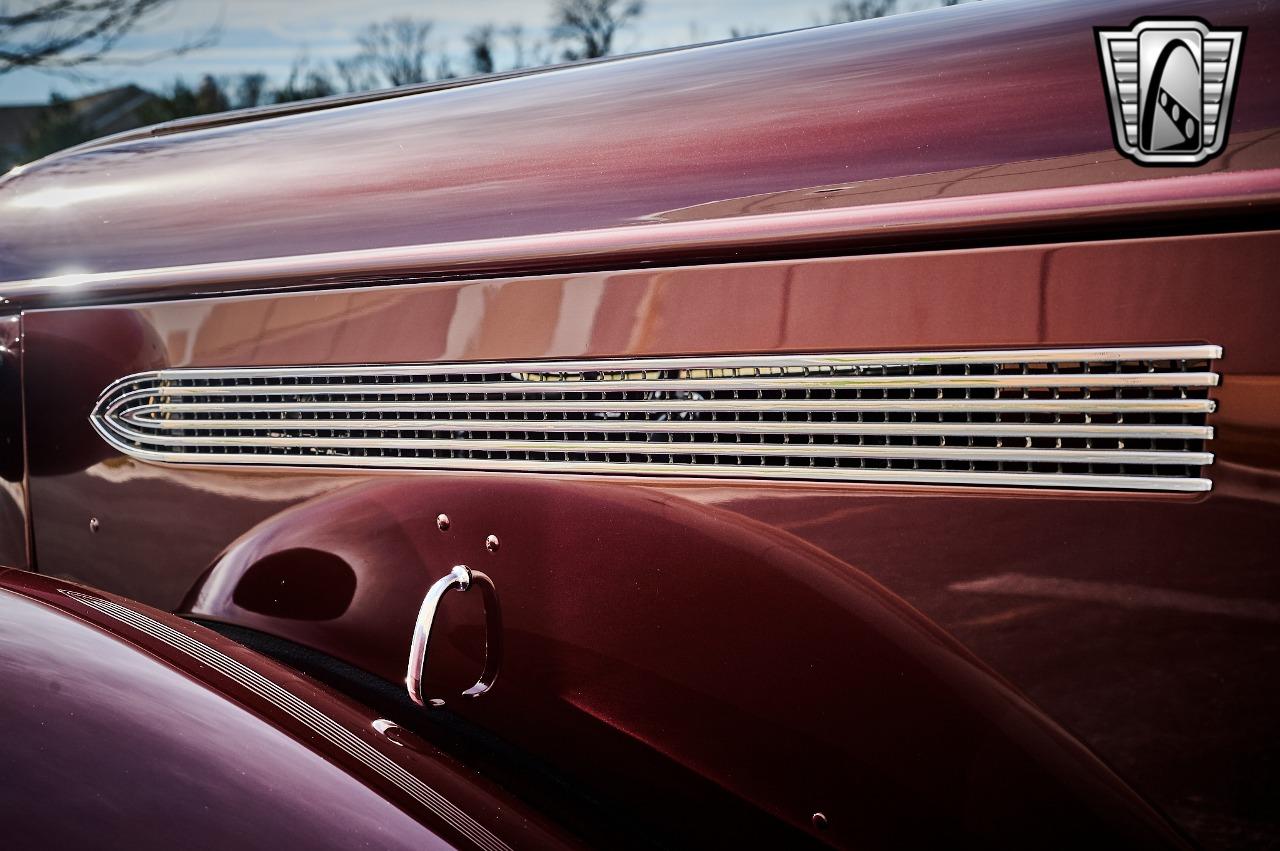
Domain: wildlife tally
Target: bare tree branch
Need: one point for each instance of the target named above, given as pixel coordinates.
(590, 25)
(306, 81)
(516, 35)
(444, 68)
(355, 74)
(844, 11)
(397, 49)
(67, 34)
(480, 48)
(525, 53)
(251, 89)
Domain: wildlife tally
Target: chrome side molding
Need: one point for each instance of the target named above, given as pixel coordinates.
(319, 723)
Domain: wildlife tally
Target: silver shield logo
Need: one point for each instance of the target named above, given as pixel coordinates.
(1170, 83)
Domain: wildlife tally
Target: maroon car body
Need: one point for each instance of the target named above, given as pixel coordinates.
(691, 660)
(134, 726)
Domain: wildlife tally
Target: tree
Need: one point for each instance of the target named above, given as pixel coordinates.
(57, 127)
(480, 48)
(182, 101)
(590, 25)
(525, 54)
(397, 49)
(355, 74)
(251, 90)
(306, 81)
(844, 11)
(209, 97)
(59, 35)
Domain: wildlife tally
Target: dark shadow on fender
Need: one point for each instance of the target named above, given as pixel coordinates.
(297, 584)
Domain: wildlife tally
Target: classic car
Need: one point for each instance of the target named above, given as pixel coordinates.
(842, 438)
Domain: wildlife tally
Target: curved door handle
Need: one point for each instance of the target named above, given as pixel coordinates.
(462, 578)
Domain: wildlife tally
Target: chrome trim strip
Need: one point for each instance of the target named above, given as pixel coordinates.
(601, 414)
(619, 447)
(706, 362)
(1094, 406)
(888, 382)
(792, 474)
(1120, 431)
(303, 712)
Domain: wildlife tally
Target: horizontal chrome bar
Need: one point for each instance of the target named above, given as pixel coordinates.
(711, 362)
(1215, 72)
(699, 405)
(1120, 431)
(816, 474)
(1124, 50)
(1217, 49)
(796, 450)
(644, 385)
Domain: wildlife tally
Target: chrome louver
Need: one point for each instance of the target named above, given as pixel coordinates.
(1129, 418)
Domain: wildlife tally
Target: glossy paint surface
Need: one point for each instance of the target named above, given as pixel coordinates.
(1100, 608)
(969, 101)
(674, 641)
(113, 739)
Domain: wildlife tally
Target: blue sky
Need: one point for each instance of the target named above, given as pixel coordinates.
(269, 35)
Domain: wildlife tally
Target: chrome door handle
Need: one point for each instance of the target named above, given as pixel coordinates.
(461, 578)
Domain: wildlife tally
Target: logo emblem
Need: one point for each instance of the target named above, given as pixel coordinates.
(1170, 83)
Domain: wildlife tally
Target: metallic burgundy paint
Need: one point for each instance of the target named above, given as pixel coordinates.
(641, 613)
(113, 739)
(637, 616)
(1206, 200)
(926, 545)
(969, 101)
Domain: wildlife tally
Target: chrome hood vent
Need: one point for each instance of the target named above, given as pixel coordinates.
(1131, 418)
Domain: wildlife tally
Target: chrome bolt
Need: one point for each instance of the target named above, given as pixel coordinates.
(442, 522)
(94, 524)
(491, 543)
(819, 821)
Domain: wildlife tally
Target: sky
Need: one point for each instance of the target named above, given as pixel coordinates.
(270, 35)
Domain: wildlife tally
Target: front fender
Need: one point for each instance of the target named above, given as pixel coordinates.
(684, 646)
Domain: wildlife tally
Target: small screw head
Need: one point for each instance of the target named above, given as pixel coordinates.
(94, 524)
(819, 821)
(492, 543)
(442, 522)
